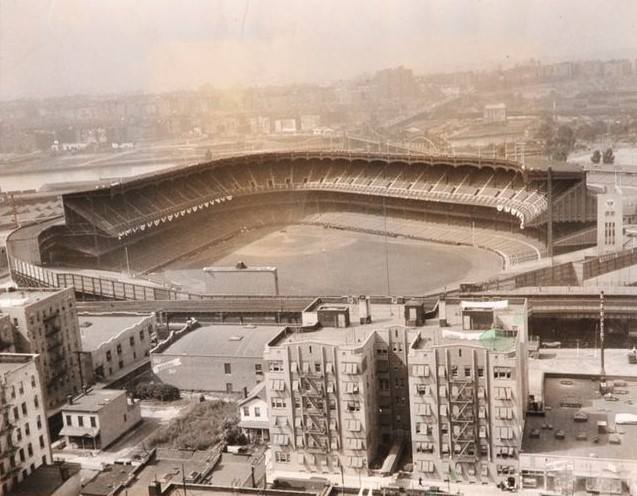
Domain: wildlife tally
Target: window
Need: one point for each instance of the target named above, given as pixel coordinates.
(30, 450)
(276, 366)
(502, 373)
(41, 439)
(24, 408)
(480, 371)
(228, 387)
(246, 411)
(317, 366)
(131, 340)
(80, 420)
(119, 349)
(27, 429)
(121, 364)
(282, 457)
(93, 422)
(36, 402)
(39, 421)
(257, 411)
(141, 334)
(32, 381)
(278, 403)
(227, 369)
(258, 369)
(109, 355)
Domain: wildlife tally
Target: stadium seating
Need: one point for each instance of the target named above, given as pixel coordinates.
(151, 203)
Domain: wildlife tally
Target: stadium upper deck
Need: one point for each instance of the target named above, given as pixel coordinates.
(125, 208)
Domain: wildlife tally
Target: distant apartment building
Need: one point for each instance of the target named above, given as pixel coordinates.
(495, 113)
(97, 418)
(309, 122)
(115, 343)
(46, 323)
(24, 437)
(468, 384)
(260, 125)
(285, 126)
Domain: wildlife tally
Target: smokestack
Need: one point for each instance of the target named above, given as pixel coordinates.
(364, 310)
(442, 311)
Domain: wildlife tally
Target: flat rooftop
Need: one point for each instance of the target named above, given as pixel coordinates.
(97, 329)
(567, 395)
(24, 297)
(46, 479)
(383, 315)
(13, 361)
(225, 340)
(496, 341)
(167, 468)
(111, 477)
(94, 400)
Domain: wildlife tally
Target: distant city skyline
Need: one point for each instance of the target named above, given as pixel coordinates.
(62, 48)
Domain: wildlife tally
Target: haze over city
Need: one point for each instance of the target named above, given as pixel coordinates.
(67, 47)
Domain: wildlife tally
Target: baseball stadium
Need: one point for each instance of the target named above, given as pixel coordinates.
(332, 222)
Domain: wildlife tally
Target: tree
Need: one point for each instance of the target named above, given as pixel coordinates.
(609, 156)
(561, 143)
(596, 157)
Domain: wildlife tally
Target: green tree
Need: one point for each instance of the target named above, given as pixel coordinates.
(609, 156)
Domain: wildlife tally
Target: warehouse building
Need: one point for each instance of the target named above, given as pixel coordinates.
(115, 343)
(221, 358)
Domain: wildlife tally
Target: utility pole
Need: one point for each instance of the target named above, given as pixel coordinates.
(549, 214)
(601, 331)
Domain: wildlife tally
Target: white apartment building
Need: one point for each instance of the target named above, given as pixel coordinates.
(24, 437)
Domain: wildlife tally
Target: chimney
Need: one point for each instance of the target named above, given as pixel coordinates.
(69, 399)
(364, 311)
(245, 392)
(154, 488)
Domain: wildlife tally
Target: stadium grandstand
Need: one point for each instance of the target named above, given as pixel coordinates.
(491, 203)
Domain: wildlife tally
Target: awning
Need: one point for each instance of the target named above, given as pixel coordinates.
(73, 431)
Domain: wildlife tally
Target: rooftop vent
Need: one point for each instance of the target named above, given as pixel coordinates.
(236, 338)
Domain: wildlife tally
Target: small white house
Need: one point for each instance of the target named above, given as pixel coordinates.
(254, 415)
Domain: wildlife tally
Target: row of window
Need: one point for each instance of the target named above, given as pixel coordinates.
(80, 420)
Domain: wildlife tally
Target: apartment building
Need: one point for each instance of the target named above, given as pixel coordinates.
(46, 324)
(468, 383)
(24, 437)
(7, 334)
(327, 411)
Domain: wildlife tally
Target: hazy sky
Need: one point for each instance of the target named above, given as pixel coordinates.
(65, 47)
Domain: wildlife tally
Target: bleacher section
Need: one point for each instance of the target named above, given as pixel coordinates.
(122, 212)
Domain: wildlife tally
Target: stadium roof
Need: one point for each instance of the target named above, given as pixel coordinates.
(225, 340)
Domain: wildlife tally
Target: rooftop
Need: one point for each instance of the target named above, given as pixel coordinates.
(23, 297)
(225, 340)
(495, 340)
(98, 329)
(166, 468)
(567, 395)
(383, 315)
(46, 479)
(108, 479)
(13, 361)
(94, 400)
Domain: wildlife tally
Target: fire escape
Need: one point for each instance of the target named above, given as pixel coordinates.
(463, 419)
(55, 350)
(315, 410)
(7, 448)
